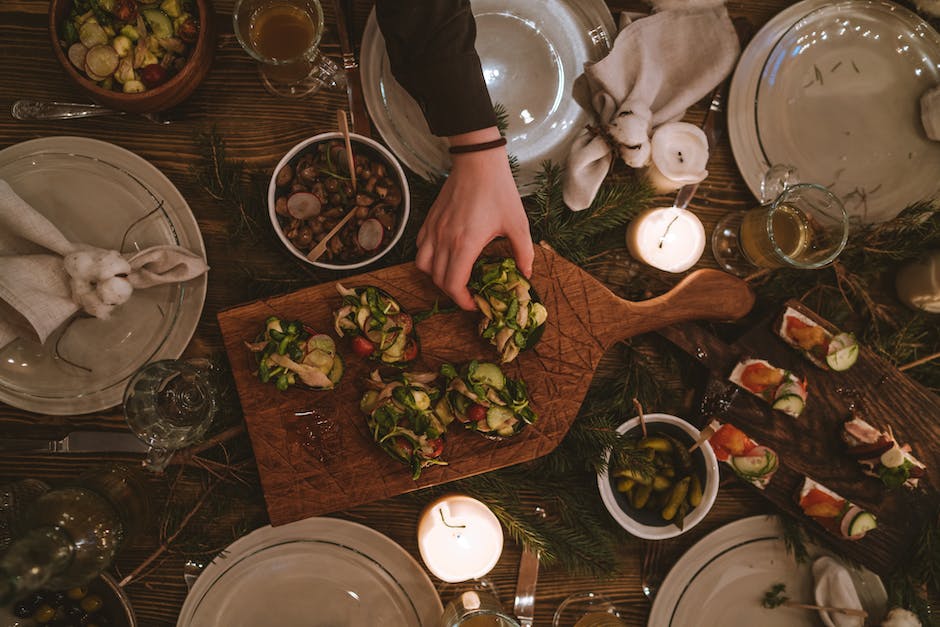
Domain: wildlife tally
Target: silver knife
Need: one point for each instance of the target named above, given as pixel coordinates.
(524, 607)
(78, 442)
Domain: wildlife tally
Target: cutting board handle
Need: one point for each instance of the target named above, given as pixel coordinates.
(703, 295)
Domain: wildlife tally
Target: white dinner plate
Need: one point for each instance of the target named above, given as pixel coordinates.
(834, 90)
(99, 194)
(723, 577)
(531, 52)
(316, 572)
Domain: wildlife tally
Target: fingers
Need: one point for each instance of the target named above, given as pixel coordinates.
(522, 250)
(459, 268)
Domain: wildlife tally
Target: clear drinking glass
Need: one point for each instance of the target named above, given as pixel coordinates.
(798, 225)
(284, 37)
(587, 609)
(476, 605)
(169, 405)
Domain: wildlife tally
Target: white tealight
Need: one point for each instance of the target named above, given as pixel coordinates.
(670, 238)
(918, 283)
(679, 153)
(459, 538)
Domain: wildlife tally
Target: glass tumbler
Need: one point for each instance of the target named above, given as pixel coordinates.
(476, 605)
(587, 609)
(283, 36)
(169, 405)
(798, 225)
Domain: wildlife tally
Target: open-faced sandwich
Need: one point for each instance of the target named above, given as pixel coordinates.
(833, 512)
(512, 317)
(835, 351)
(400, 414)
(379, 329)
(484, 399)
(782, 389)
(754, 463)
(289, 354)
(880, 454)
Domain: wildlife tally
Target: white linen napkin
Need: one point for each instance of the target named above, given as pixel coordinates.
(834, 588)
(45, 279)
(659, 66)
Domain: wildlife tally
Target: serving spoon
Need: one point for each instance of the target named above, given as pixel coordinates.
(318, 250)
(43, 110)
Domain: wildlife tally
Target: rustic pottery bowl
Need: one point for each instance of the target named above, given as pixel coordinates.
(311, 144)
(646, 524)
(167, 95)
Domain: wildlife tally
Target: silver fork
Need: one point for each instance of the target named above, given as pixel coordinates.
(650, 573)
(42, 110)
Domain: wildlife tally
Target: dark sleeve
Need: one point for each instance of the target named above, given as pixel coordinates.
(430, 47)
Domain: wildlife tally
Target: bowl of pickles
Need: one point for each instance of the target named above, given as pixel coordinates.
(654, 486)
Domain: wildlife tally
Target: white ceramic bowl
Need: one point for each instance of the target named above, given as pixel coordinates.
(356, 139)
(704, 456)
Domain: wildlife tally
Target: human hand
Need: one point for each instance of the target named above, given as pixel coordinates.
(478, 202)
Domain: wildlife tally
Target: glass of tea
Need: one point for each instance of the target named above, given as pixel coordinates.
(587, 609)
(476, 604)
(284, 37)
(169, 405)
(798, 225)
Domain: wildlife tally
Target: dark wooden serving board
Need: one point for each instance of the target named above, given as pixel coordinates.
(811, 444)
(312, 463)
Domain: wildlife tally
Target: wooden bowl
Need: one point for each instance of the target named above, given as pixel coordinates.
(159, 98)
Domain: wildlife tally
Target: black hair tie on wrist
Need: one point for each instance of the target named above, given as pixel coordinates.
(496, 143)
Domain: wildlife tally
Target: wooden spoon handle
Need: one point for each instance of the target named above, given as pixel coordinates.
(703, 295)
(317, 250)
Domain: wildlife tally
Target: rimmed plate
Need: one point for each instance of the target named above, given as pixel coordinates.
(723, 577)
(100, 194)
(317, 571)
(533, 79)
(834, 89)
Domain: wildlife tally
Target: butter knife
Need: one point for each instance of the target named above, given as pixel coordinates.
(524, 607)
(357, 103)
(77, 442)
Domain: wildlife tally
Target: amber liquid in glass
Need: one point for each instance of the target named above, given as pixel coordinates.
(599, 619)
(281, 31)
(791, 234)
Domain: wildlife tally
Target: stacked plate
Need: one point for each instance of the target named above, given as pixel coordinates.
(532, 52)
(99, 194)
(834, 90)
(318, 571)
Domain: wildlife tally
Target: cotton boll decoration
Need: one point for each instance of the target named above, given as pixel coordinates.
(630, 128)
(115, 291)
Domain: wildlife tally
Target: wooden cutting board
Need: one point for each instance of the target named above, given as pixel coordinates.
(314, 452)
(811, 444)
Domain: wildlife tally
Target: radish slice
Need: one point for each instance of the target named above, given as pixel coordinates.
(77, 53)
(303, 205)
(91, 34)
(102, 61)
(91, 75)
(370, 234)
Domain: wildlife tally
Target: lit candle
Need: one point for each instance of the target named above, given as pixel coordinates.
(669, 238)
(679, 152)
(459, 538)
(918, 283)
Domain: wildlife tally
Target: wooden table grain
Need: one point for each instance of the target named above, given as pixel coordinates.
(259, 129)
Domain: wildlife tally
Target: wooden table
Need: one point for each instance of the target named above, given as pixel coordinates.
(259, 128)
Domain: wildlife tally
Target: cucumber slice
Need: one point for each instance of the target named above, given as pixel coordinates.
(843, 352)
(336, 372)
(320, 360)
(790, 404)
(791, 386)
(323, 343)
(490, 374)
(498, 417)
(754, 467)
(862, 523)
(159, 22)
